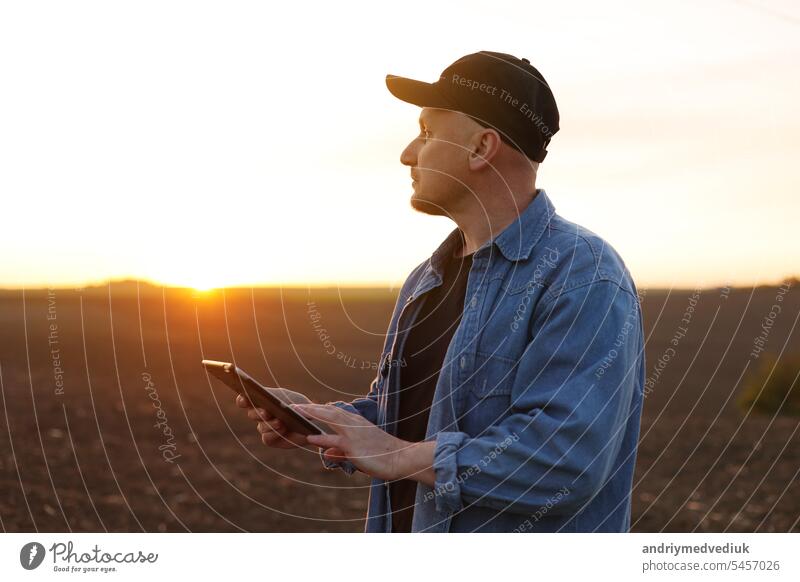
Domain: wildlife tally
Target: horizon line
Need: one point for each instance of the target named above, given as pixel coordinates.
(793, 279)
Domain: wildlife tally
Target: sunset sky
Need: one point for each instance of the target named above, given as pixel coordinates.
(236, 143)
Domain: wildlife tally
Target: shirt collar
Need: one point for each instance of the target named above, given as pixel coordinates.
(445, 251)
(518, 239)
(515, 241)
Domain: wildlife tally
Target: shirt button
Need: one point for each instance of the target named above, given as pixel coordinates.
(463, 361)
(474, 302)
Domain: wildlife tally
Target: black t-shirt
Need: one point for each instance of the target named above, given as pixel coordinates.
(423, 356)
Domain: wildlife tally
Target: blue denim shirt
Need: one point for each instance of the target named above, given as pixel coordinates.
(536, 411)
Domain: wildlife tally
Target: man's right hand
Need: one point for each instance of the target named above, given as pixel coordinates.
(273, 432)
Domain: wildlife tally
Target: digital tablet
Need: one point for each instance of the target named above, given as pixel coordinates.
(276, 401)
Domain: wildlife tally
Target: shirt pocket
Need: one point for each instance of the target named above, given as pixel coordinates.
(508, 326)
(494, 375)
(489, 394)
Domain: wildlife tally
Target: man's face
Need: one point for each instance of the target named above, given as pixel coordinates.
(438, 158)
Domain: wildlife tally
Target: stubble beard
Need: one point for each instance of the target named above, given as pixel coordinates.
(437, 205)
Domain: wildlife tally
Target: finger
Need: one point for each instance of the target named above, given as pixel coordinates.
(243, 402)
(326, 440)
(332, 415)
(259, 414)
(274, 425)
(271, 439)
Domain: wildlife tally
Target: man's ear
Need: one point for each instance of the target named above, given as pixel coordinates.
(485, 145)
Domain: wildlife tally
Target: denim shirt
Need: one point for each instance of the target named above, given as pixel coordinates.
(536, 411)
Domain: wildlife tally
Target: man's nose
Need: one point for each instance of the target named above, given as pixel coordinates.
(409, 155)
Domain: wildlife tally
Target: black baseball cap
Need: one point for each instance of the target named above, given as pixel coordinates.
(497, 90)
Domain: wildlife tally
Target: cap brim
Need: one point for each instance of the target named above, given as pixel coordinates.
(416, 92)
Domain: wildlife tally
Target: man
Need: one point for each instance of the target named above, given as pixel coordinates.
(519, 403)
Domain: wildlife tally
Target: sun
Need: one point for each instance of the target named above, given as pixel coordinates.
(200, 271)
(201, 285)
(204, 287)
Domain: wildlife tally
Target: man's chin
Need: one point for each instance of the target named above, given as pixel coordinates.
(425, 206)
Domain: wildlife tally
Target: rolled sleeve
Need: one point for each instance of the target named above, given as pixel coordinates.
(346, 466)
(447, 486)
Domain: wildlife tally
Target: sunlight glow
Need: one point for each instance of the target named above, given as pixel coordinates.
(251, 150)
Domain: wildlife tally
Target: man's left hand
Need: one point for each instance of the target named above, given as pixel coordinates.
(370, 449)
